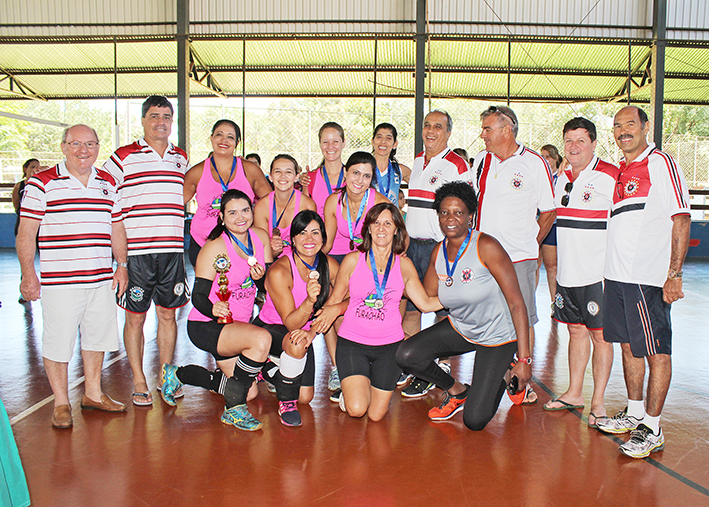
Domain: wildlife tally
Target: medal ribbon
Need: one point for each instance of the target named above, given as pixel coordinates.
(450, 270)
(248, 250)
(327, 179)
(380, 287)
(276, 223)
(362, 206)
(391, 181)
(225, 186)
(311, 268)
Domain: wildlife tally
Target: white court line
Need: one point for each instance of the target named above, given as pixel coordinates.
(49, 399)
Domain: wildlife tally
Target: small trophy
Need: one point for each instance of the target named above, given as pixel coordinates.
(221, 266)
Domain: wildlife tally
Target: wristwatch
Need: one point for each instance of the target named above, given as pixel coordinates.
(527, 360)
(673, 275)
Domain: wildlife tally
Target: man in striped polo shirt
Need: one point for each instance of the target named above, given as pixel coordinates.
(76, 209)
(151, 175)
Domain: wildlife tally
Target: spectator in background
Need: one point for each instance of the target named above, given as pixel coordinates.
(29, 168)
(547, 250)
(463, 154)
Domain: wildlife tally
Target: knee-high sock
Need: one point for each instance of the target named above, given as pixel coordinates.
(245, 371)
(201, 377)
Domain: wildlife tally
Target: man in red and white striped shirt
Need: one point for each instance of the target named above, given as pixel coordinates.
(151, 175)
(77, 211)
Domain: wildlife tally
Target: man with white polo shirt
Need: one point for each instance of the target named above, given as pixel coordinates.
(77, 211)
(151, 175)
(433, 167)
(648, 238)
(514, 183)
(583, 197)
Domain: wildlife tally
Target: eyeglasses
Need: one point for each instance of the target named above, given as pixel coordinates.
(567, 188)
(76, 145)
(495, 109)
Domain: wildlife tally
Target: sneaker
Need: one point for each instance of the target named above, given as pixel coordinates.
(240, 417)
(335, 396)
(270, 387)
(619, 423)
(288, 411)
(170, 384)
(333, 381)
(417, 388)
(642, 442)
(446, 367)
(342, 403)
(450, 406)
(404, 378)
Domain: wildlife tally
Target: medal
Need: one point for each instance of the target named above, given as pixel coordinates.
(451, 269)
(251, 261)
(360, 213)
(313, 275)
(380, 287)
(277, 221)
(276, 231)
(247, 249)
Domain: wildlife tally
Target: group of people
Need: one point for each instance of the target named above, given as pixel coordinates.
(339, 259)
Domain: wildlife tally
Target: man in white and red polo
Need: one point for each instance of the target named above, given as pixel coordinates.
(77, 212)
(514, 183)
(648, 238)
(151, 175)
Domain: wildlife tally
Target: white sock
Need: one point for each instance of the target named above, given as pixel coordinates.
(292, 367)
(636, 408)
(653, 423)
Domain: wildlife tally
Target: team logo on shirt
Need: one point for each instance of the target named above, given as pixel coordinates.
(517, 182)
(587, 194)
(434, 178)
(179, 289)
(559, 301)
(372, 308)
(593, 308)
(178, 165)
(136, 294)
(632, 186)
(247, 283)
(217, 202)
(466, 275)
(102, 184)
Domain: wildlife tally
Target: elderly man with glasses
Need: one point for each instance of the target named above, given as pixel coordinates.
(513, 183)
(584, 196)
(77, 211)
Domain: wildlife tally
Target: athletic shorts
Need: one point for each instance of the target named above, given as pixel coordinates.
(419, 252)
(580, 305)
(339, 257)
(551, 237)
(278, 332)
(205, 336)
(637, 314)
(193, 251)
(68, 310)
(376, 362)
(157, 277)
(527, 278)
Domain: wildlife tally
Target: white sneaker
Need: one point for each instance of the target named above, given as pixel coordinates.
(642, 442)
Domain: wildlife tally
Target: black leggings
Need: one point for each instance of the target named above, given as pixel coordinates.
(416, 355)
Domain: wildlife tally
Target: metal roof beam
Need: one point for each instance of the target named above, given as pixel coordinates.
(11, 81)
(202, 75)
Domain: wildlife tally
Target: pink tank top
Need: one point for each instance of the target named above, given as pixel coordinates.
(209, 198)
(363, 322)
(318, 189)
(285, 229)
(243, 289)
(341, 244)
(268, 313)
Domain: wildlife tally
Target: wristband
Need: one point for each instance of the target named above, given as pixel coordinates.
(526, 360)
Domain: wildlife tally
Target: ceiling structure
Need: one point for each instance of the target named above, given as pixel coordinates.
(592, 50)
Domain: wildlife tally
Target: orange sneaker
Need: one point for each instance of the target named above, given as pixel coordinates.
(450, 406)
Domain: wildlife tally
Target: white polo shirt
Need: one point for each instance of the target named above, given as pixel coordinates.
(151, 190)
(421, 218)
(650, 191)
(510, 193)
(582, 225)
(75, 225)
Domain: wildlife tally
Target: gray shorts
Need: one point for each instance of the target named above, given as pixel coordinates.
(527, 275)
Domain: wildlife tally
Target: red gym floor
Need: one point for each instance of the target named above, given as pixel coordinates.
(184, 456)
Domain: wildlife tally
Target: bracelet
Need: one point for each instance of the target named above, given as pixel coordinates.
(526, 360)
(122, 264)
(305, 311)
(673, 275)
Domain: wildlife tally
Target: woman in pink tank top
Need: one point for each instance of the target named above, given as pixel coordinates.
(297, 286)
(275, 212)
(330, 174)
(209, 179)
(219, 321)
(346, 208)
(368, 290)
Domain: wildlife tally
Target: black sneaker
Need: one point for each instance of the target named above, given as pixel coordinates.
(404, 378)
(417, 388)
(288, 411)
(335, 396)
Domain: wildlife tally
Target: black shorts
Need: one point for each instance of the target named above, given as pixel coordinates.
(550, 238)
(205, 336)
(376, 362)
(637, 314)
(193, 251)
(580, 305)
(157, 277)
(278, 332)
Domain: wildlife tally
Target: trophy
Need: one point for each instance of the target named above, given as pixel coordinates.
(221, 266)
